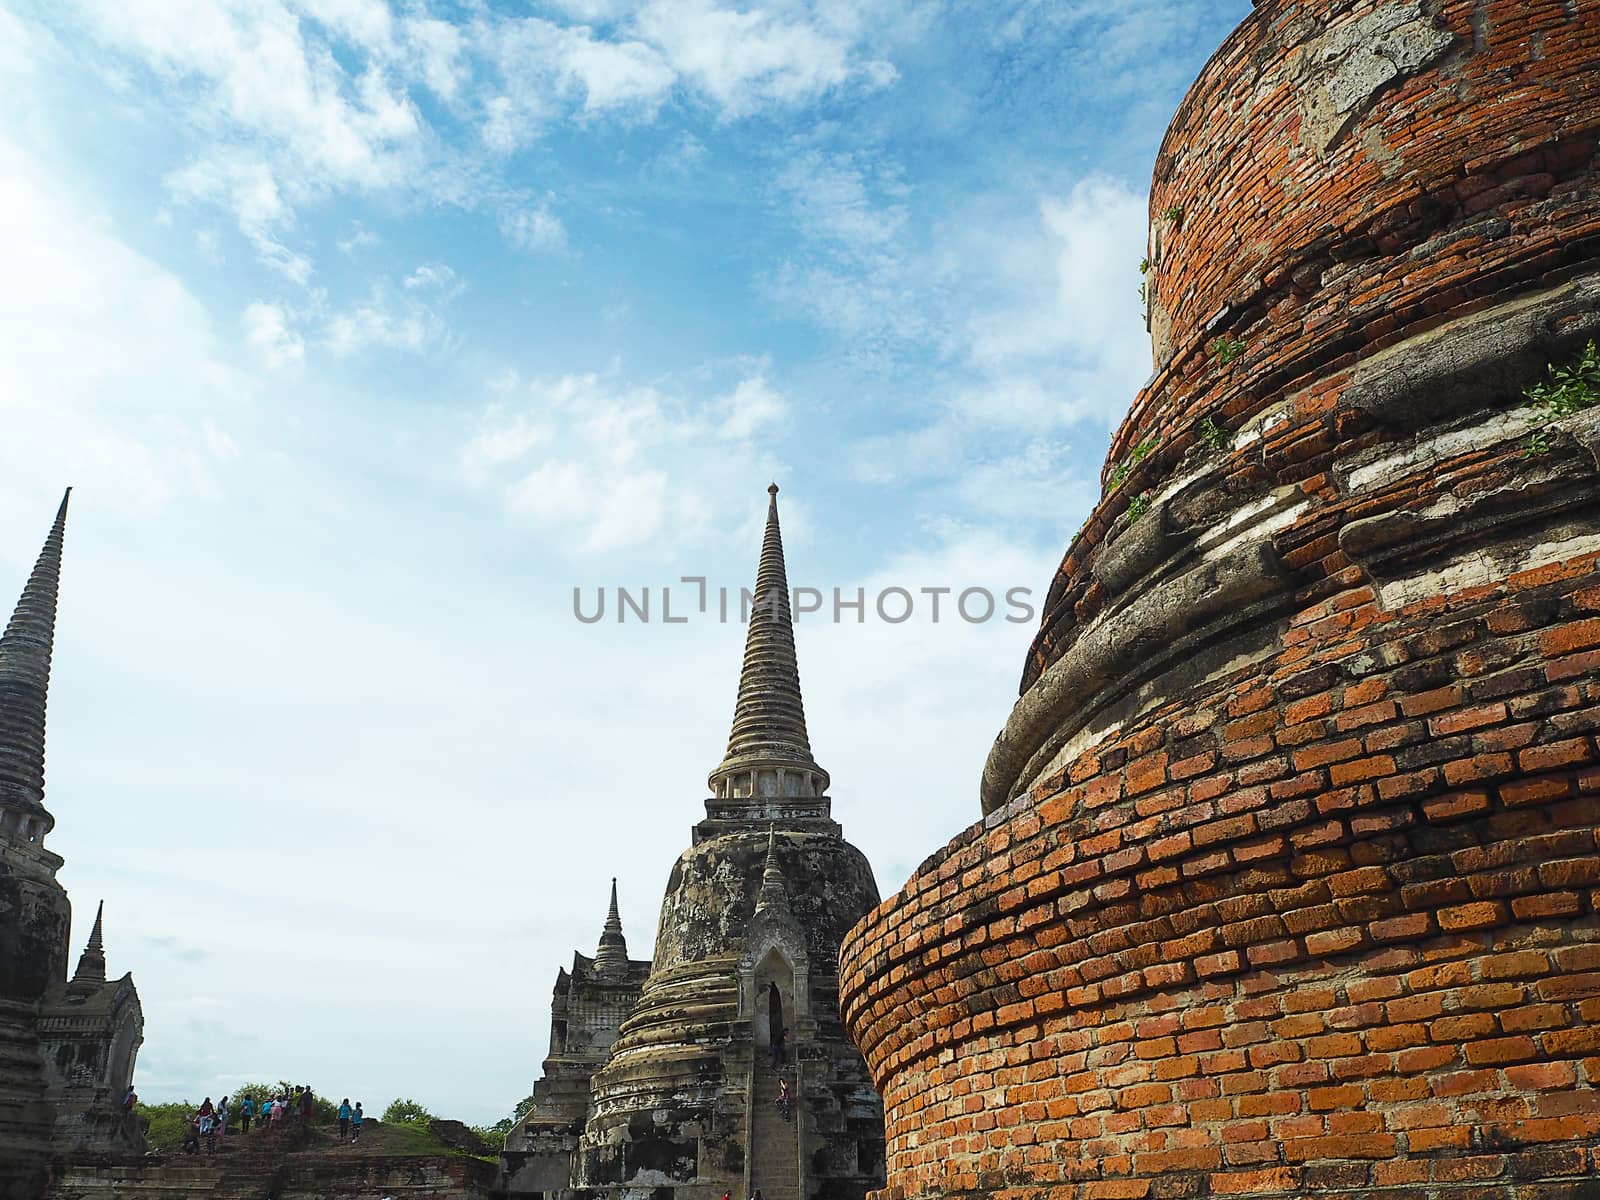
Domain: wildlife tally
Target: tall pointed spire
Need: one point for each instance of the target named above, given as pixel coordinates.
(25, 650)
(92, 966)
(768, 742)
(612, 956)
(773, 893)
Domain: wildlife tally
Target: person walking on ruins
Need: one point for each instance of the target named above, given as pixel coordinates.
(344, 1118)
(355, 1123)
(785, 1099)
(306, 1097)
(222, 1117)
(208, 1130)
(247, 1109)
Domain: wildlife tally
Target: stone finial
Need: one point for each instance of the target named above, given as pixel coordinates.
(612, 956)
(25, 650)
(92, 965)
(768, 750)
(774, 893)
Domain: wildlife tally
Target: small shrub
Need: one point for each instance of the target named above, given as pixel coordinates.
(169, 1123)
(1173, 213)
(1538, 443)
(1138, 506)
(1571, 388)
(406, 1112)
(1122, 469)
(1212, 434)
(493, 1136)
(1225, 349)
(1144, 266)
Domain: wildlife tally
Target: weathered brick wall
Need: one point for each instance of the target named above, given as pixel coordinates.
(1290, 873)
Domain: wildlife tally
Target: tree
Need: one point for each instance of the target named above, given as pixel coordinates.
(406, 1112)
(504, 1124)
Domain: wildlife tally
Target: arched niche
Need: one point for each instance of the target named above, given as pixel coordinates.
(772, 997)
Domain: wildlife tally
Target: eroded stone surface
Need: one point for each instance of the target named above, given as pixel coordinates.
(1342, 72)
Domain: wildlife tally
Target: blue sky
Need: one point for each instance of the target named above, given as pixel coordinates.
(367, 331)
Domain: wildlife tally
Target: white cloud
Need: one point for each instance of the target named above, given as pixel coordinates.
(16, 45)
(746, 59)
(248, 187)
(603, 464)
(289, 102)
(750, 407)
(111, 367)
(387, 322)
(832, 198)
(1075, 288)
(432, 277)
(534, 228)
(359, 238)
(267, 332)
(266, 71)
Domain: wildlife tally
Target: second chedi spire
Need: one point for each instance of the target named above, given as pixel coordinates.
(769, 753)
(25, 652)
(612, 956)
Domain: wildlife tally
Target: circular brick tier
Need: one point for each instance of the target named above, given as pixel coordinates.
(1289, 877)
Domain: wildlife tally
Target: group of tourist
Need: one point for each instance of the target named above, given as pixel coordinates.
(211, 1121)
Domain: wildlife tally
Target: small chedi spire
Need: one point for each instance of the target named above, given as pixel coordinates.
(773, 893)
(25, 650)
(92, 965)
(612, 956)
(769, 753)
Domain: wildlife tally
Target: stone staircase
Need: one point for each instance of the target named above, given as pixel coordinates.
(774, 1142)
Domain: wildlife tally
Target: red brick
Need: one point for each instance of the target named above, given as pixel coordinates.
(1580, 635)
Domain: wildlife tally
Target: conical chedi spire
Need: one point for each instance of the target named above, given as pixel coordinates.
(25, 650)
(773, 893)
(769, 741)
(92, 965)
(612, 956)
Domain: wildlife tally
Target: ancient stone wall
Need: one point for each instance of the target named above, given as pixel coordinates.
(1289, 876)
(290, 1177)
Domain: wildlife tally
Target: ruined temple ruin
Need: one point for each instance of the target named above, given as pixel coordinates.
(586, 1011)
(67, 1045)
(1287, 879)
(680, 1088)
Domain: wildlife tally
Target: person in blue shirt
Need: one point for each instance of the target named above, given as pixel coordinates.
(247, 1109)
(344, 1118)
(355, 1123)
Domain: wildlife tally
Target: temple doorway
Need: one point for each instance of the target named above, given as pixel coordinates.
(775, 1026)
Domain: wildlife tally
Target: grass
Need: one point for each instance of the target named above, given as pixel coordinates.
(1122, 470)
(1225, 349)
(1568, 388)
